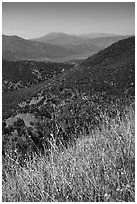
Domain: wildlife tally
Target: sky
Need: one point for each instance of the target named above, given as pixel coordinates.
(35, 19)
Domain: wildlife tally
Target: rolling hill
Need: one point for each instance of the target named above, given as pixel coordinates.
(86, 45)
(54, 47)
(16, 48)
(70, 40)
(58, 38)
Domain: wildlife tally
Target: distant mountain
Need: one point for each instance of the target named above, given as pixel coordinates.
(73, 40)
(96, 35)
(59, 39)
(90, 46)
(55, 47)
(16, 48)
(86, 44)
(104, 42)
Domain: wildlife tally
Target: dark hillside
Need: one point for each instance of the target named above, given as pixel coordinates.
(116, 52)
(20, 74)
(111, 70)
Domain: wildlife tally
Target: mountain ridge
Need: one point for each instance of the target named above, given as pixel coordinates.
(71, 47)
(68, 39)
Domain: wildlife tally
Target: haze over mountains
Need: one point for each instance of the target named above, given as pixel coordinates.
(67, 39)
(58, 47)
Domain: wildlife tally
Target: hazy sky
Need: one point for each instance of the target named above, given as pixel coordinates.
(35, 19)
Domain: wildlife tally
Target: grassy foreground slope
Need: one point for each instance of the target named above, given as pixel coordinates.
(99, 167)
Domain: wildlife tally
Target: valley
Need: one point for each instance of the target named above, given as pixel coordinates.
(54, 47)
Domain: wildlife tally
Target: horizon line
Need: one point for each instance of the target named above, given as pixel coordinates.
(27, 38)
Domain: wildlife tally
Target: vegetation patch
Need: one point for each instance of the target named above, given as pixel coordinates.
(99, 167)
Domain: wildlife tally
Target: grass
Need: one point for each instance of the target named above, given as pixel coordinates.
(99, 167)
